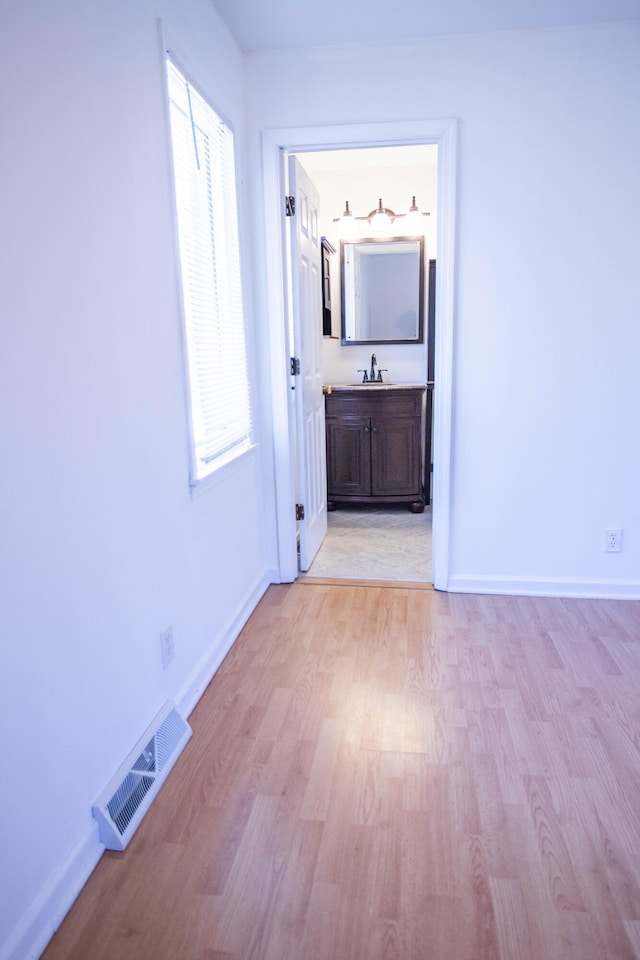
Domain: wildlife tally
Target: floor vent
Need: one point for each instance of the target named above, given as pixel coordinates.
(123, 803)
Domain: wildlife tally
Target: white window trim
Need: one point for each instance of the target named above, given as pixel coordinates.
(201, 477)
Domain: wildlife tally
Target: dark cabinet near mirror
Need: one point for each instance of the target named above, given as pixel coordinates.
(326, 252)
(375, 446)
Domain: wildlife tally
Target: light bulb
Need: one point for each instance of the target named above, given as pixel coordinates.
(380, 219)
(414, 222)
(347, 223)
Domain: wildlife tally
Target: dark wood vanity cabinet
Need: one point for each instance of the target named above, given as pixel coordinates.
(374, 446)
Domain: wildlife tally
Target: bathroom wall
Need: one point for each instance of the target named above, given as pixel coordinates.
(361, 177)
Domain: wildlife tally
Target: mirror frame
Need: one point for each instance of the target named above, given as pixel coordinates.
(421, 288)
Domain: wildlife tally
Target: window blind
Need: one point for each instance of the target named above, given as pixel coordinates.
(206, 202)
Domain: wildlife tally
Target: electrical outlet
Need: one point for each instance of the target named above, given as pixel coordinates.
(167, 648)
(613, 541)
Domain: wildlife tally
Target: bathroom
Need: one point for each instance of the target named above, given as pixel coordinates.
(378, 541)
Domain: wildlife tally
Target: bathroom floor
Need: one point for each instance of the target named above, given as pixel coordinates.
(375, 543)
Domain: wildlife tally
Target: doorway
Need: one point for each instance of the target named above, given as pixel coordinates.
(381, 541)
(277, 145)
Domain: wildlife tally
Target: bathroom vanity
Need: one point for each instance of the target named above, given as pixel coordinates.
(375, 451)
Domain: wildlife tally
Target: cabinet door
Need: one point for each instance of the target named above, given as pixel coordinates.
(395, 457)
(348, 457)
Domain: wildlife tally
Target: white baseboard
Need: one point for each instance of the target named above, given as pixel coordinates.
(545, 587)
(206, 670)
(32, 934)
(38, 925)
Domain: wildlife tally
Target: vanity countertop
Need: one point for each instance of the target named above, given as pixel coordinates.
(375, 385)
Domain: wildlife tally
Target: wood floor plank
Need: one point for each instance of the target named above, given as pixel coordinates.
(321, 922)
(513, 928)
(552, 849)
(633, 932)
(382, 773)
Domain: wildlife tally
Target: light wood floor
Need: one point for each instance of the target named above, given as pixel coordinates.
(381, 773)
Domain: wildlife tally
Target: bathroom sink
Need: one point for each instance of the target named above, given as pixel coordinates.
(376, 385)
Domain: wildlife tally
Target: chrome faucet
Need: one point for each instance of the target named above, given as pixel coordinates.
(370, 376)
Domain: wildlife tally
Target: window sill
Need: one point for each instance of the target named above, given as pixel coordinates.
(220, 475)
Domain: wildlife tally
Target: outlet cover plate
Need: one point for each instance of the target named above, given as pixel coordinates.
(167, 647)
(613, 540)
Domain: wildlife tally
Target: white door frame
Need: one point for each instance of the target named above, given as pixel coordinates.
(276, 145)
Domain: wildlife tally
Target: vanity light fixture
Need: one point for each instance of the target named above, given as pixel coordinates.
(380, 218)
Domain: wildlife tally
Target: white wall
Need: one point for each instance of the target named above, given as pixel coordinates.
(101, 544)
(546, 339)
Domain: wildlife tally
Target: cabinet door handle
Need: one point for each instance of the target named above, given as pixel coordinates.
(374, 429)
(367, 429)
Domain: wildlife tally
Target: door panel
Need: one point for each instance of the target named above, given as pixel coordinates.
(306, 284)
(349, 458)
(395, 457)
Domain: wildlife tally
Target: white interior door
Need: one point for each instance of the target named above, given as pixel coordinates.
(306, 280)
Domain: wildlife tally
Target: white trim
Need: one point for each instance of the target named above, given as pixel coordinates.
(227, 636)
(273, 192)
(168, 47)
(275, 144)
(223, 472)
(209, 263)
(543, 587)
(171, 49)
(30, 937)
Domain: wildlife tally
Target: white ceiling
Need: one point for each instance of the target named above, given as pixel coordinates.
(370, 157)
(272, 24)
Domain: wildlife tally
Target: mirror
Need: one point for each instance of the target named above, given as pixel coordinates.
(382, 290)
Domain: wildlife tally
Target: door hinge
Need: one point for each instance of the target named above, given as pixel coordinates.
(290, 206)
(295, 367)
(299, 511)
